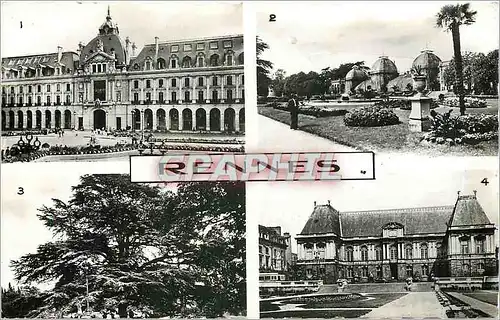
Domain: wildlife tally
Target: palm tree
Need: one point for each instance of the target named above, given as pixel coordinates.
(450, 17)
(263, 69)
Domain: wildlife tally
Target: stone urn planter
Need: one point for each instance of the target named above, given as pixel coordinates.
(419, 83)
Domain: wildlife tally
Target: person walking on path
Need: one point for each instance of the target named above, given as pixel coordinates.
(293, 107)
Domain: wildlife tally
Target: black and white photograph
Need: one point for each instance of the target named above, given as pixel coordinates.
(120, 78)
(379, 249)
(416, 78)
(98, 246)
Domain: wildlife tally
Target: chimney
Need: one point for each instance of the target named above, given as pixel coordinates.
(127, 50)
(475, 193)
(315, 203)
(133, 49)
(156, 51)
(328, 202)
(59, 54)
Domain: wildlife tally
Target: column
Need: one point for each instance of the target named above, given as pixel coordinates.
(193, 118)
(44, 120)
(25, 119)
(207, 114)
(130, 91)
(167, 118)
(222, 89)
(91, 91)
(237, 95)
(384, 251)
(472, 245)
(207, 96)
(142, 120)
(15, 120)
(154, 119)
(154, 97)
(236, 121)
(167, 96)
(193, 95)
(222, 124)
(142, 95)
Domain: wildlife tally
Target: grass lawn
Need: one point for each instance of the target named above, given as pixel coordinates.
(323, 302)
(326, 314)
(484, 296)
(394, 138)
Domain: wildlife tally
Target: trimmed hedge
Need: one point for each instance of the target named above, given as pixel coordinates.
(374, 116)
(318, 112)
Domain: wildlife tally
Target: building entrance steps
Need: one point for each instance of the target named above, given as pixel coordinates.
(414, 304)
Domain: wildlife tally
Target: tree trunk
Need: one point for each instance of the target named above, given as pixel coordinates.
(459, 75)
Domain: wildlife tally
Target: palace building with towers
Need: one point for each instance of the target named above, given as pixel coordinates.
(192, 85)
(389, 245)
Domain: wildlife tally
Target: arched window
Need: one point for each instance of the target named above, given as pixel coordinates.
(214, 60)
(214, 81)
(229, 60)
(424, 252)
(160, 83)
(364, 253)
(349, 256)
(229, 80)
(173, 62)
(378, 253)
(161, 64)
(148, 65)
(200, 61)
(464, 246)
(48, 88)
(409, 251)
(39, 88)
(186, 62)
(394, 252)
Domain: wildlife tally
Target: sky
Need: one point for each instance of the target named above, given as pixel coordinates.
(433, 182)
(48, 24)
(313, 35)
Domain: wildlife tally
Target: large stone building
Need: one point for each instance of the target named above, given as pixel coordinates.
(456, 240)
(190, 85)
(275, 250)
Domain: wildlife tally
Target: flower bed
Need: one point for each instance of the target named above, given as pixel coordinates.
(468, 129)
(396, 103)
(200, 140)
(315, 111)
(25, 132)
(469, 102)
(374, 116)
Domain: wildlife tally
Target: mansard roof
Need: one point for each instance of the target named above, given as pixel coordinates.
(68, 59)
(468, 212)
(414, 220)
(165, 49)
(324, 219)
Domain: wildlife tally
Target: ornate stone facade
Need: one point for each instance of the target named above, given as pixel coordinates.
(190, 85)
(395, 244)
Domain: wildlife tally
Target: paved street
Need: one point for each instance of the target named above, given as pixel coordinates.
(414, 304)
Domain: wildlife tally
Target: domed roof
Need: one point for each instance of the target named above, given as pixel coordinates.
(427, 60)
(108, 41)
(356, 73)
(384, 65)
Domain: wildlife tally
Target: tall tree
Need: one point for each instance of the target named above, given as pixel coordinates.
(278, 82)
(140, 248)
(264, 68)
(451, 17)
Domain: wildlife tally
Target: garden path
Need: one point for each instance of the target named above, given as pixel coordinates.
(414, 304)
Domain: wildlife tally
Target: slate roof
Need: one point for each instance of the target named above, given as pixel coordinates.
(68, 58)
(324, 219)
(468, 212)
(415, 221)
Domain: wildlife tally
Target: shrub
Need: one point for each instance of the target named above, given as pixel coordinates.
(469, 129)
(374, 116)
(398, 103)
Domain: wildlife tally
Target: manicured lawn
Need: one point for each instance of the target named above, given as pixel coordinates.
(394, 138)
(484, 296)
(326, 314)
(362, 302)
